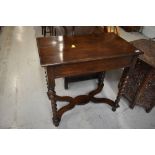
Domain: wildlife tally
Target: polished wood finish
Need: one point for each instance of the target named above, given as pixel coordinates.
(82, 30)
(65, 56)
(74, 31)
(84, 48)
(140, 89)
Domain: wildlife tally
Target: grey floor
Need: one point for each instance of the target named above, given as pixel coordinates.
(23, 99)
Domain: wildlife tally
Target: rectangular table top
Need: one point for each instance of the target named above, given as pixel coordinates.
(57, 50)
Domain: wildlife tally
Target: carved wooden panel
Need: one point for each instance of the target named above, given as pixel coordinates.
(147, 96)
(135, 80)
(141, 86)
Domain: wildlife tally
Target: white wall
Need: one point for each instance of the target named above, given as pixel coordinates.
(149, 31)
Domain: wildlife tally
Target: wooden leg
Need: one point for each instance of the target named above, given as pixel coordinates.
(66, 83)
(42, 30)
(106, 29)
(52, 96)
(73, 30)
(116, 30)
(150, 108)
(65, 30)
(101, 79)
(55, 32)
(50, 30)
(121, 87)
(124, 74)
(123, 82)
(52, 27)
(45, 31)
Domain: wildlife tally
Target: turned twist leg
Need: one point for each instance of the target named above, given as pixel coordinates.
(101, 79)
(122, 85)
(52, 96)
(124, 81)
(124, 74)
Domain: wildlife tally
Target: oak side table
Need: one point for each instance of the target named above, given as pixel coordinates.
(64, 56)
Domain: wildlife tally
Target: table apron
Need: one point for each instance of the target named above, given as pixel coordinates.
(74, 69)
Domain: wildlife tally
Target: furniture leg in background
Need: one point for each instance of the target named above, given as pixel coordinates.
(47, 29)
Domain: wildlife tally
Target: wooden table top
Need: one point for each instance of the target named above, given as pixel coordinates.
(58, 50)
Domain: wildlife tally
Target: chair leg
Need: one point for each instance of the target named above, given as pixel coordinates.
(55, 32)
(150, 108)
(51, 30)
(116, 30)
(66, 83)
(42, 29)
(52, 27)
(106, 29)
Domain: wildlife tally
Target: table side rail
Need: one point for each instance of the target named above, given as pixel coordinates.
(90, 67)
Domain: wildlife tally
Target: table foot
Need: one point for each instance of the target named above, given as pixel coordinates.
(115, 107)
(131, 106)
(148, 109)
(56, 121)
(121, 87)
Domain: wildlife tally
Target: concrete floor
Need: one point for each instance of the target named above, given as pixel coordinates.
(23, 99)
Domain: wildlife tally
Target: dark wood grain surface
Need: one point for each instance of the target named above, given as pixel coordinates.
(70, 49)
